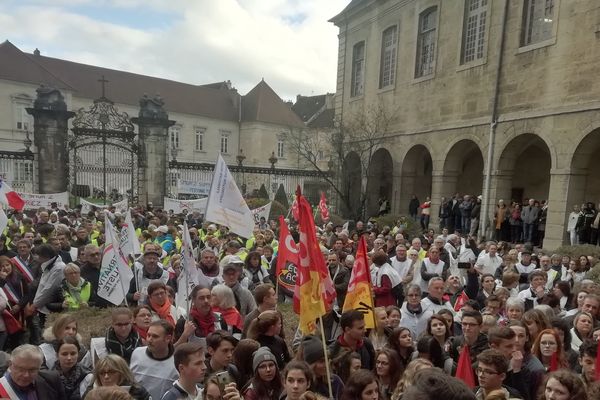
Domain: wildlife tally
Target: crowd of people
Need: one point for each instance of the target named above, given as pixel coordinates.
(468, 320)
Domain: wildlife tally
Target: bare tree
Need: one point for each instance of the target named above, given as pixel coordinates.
(362, 133)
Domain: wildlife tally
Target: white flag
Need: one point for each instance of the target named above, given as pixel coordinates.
(130, 244)
(226, 205)
(3, 221)
(188, 278)
(261, 212)
(115, 274)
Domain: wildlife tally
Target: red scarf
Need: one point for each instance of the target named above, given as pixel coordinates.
(143, 333)
(206, 323)
(231, 316)
(164, 311)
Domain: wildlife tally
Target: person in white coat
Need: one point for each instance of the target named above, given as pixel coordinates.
(572, 225)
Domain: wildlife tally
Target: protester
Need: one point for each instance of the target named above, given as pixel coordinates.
(112, 371)
(265, 329)
(266, 383)
(72, 373)
(362, 385)
(190, 364)
(121, 339)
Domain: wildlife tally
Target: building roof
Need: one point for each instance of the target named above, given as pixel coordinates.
(324, 120)
(264, 105)
(350, 7)
(307, 106)
(16, 66)
(214, 100)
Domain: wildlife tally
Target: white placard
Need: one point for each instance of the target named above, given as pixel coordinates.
(179, 205)
(33, 201)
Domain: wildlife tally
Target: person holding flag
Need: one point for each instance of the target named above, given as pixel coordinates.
(115, 274)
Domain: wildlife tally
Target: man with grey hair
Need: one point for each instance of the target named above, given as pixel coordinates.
(24, 380)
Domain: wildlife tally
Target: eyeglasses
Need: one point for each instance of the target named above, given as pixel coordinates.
(481, 371)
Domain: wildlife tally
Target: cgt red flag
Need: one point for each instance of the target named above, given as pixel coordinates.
(464, 369)
(288, 249)
(314, 291)
(323, 207)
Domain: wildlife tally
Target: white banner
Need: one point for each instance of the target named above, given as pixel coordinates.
(34, 201)
(226, 205)
(188, 278)
(261, 212)
(86, 206)
(193, 187)
(130, 244)
(115, 274)
(3, 221)
(179, 205)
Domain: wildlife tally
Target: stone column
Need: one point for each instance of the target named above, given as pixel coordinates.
(564, 191)
(50, 130)
(153, 122)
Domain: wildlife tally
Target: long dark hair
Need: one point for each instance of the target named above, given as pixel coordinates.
(357, 382)
(393, 344)
(396, 369)
(430, 346)
(262, 388)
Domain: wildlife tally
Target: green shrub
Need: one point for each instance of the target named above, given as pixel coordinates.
(262, 192)
(281, 197)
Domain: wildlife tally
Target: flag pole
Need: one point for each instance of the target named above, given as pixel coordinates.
(327, 366)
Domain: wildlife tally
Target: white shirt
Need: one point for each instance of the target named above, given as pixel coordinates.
(401, 267)
(488, 264)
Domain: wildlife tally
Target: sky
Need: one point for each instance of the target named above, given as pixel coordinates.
(289, 43)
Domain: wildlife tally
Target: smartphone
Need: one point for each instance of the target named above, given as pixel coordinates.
(224, 379)
(464, 265)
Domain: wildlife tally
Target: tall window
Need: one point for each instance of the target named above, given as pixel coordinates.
(538, 21)
(358, 69)
(200, 138)
(174, 137)
(473, 46)
(389, 40)
(225, 142)
(426, 42)
(23, 171)
(280, 148)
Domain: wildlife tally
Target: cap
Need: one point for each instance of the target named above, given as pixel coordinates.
(162, 229)
(234, 260)
(312, 349)
(261, 355)
(152, 250)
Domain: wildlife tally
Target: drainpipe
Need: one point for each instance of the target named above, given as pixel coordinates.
(485, 211)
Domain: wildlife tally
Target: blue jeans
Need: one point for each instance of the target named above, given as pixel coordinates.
(527, 232)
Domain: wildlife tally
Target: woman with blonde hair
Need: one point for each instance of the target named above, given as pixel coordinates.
(409, 375)
(113, 371)
(265, 329)
(64, 325)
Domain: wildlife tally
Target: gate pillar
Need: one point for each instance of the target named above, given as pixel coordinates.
(50, 129)
(153, 122)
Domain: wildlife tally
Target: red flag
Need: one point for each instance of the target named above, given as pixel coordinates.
(323, 207)
(460, 301)
(597, 377)
(314, 291)
(464, 370)
(288, 249)
(554, 362)
(360, 296)
(9, 197)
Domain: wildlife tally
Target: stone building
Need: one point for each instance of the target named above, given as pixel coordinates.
(506, 89)
(247, 130)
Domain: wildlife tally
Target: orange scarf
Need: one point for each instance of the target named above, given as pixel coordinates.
(164, 311)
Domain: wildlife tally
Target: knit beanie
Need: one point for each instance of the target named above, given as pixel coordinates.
(261, 355)
(312, 349)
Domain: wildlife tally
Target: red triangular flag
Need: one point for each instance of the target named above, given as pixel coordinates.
(597, 377)
(288, 249)
(323, 207)
(460, 301)
(464, 369)
(553, 362)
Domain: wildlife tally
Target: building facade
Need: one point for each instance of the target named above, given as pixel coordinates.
(505, 89)
(247, 130)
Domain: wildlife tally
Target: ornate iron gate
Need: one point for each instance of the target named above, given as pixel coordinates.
(103, 161)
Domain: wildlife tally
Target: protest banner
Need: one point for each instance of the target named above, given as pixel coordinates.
(179, 205)
(193, 187)
(261, 212)
(33, 201)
